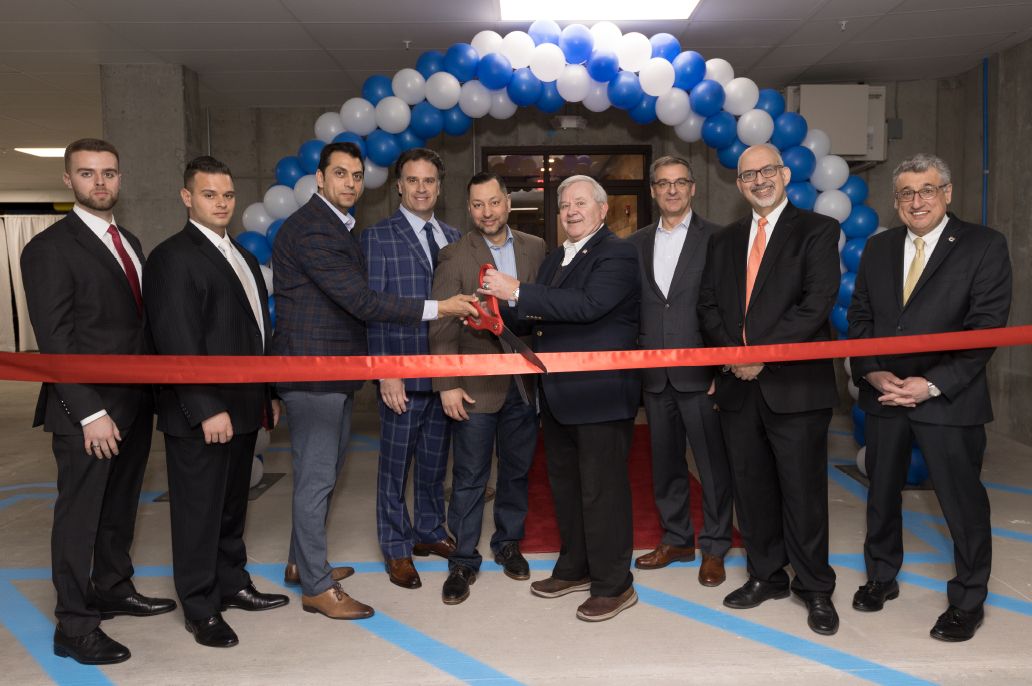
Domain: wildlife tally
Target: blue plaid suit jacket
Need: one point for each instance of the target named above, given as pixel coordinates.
(398, 265)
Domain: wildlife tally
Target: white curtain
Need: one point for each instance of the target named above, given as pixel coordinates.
(17, 231)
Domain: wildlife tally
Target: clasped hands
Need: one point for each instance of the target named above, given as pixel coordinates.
(908, 392)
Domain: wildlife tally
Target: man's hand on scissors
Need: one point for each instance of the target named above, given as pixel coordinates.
(498, 284)
(457, 306)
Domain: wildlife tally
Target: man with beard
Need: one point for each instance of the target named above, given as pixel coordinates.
(82, 282)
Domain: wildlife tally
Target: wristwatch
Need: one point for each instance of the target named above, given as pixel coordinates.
(933, 390)
(516, 295)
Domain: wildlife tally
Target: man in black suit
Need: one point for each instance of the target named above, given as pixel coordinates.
(934, 274)
(206, 296)
(772, 278)
(586, 297)
(82, 283)
(672, 254)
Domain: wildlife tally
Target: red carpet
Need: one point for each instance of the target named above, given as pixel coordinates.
(542, 534)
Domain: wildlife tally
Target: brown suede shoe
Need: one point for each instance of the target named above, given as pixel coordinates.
(711, 571)
(336, 604)
(291, 576)
(403, 573)
(442, 548)
(600, 608)
(664, 555)
(553, 588)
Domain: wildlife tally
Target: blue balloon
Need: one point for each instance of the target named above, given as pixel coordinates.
(430, 62)
(859, 418)
(544, 31)
(525, 88)
(719, 130)
(789, 130)
(625, 90)
(349, 137)
(309, 153)
(576, 42)
(256, 244)
(289, 170)
(689, 70)
(771, 102)
(461, 61)
(838, 319)
(645, 111)
(856, 189)
(382, 147)
(851, 253)
(603, 65)
(272, 310)
(494, 71)
(861, 222)
(802, 194)
(917, 473)
(800, 161)
(427, 121)
(707, 97)
(376, 88)
(860, 436)
(666, 46)
(456, 122)
(408, 139)
(729, 155)
(270, 233)
(845, 290)
(550, 101)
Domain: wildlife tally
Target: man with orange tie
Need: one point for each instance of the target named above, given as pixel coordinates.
(772, 278)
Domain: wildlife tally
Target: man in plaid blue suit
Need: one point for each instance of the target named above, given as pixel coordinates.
(401, 253)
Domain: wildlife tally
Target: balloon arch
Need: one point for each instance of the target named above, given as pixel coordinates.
(601, 67)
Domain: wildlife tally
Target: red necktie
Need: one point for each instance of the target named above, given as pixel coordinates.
(130, 269)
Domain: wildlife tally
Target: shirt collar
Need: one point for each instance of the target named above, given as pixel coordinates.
(576, 246)
(508, 240)
(215, 239)
(685, 221)
(92, 221)
(415, 222)
(349, 221)
(774, 215)
(932, 237)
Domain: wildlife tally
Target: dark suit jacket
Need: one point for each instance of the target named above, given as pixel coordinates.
(197, 306)
(79, 301)
(966, 284)
(592, 304)
(671, 321)
(795, 289)
(323, 299)
(457, 271)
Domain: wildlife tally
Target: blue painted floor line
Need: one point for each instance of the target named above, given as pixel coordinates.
(7, 502)
(18, 487)
(1008, 488)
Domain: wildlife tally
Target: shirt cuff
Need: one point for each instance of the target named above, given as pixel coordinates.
(429, 310)
(93, 417)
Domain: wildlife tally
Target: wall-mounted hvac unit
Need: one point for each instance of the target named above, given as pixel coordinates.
(852, 115)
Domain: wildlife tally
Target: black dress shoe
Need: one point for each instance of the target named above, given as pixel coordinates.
(212, 632)
(512, 561)
(871, 596)
(94, 648)
(456, 586)
(754, 592)
(823, 618)
(956, 625)
(250, 599)
(135, 605)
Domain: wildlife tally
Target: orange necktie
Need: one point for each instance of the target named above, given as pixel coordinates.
(755, 257)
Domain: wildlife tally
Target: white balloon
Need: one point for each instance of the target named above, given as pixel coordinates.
(305, 188)
(573, 83)
(880, 229)
(673, 107)
(257, 471)
(358, 116)
(634, 51)
(719, 70)
(256, 218)
(517, 47)
(443, 90)
(831, 172)
(502, 106)
(606, 36)
(328, 125)
(841, 241)
(280, 202)
(818, 142)
(474, 99)
(861, 460)
(267, 276)
(375, 175)
(848, 366)
(547, 62)
(834, 204)
(657, 76)
(484, 43)
(264, 439)
(690, 130)
(410, 86)
(740, 96)
(597, 99)
(755, 127)
(854, 392)
(392, 114)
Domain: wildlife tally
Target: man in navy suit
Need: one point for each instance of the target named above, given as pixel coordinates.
(586, 297)
(323, 302)
(934, 274)
(401, 254)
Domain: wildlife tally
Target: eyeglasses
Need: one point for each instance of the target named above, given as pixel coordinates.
(663, 184)
(926, 193)
(766, 172)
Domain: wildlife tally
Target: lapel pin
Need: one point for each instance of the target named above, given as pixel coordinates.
(951, 239)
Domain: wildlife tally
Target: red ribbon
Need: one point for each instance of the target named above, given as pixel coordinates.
(179, 369)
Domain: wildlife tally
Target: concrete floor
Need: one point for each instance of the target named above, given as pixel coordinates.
(678, 633)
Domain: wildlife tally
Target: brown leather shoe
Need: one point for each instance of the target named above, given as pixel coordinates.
(403, 573)
(442, 548)
(599, 608)
(711, 571)
(664, 555)
(336, 604)
(553, 588)
(291, 576)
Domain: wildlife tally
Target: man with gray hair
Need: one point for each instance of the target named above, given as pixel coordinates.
(936, 273)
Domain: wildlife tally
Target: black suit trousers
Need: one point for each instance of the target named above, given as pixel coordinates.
(779, 466)
(954, 458)
(94, 522)
(208, 486)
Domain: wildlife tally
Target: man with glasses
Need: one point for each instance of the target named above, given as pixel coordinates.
(671, 254)
(772, 278)
(935, 273)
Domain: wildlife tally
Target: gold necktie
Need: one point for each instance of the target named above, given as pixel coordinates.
(252, 297)
(916, 267)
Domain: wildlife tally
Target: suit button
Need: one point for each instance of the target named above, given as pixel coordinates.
(538, 333)
(899, 328)
(667, 306)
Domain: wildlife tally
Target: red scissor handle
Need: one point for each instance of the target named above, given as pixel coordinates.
(488, 317)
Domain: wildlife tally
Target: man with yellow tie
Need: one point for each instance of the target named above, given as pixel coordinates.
(934, 274)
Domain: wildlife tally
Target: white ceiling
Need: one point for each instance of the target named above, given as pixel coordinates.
(292, 53)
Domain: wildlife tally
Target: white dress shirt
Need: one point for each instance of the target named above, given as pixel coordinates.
(931, 239)
(667, 251)
(772, 220)
(223, 244)
(571, 249)
(417, 224)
